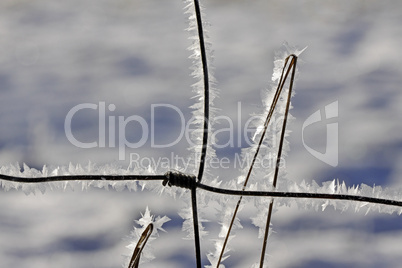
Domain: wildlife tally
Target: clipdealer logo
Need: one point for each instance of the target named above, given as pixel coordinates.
(107, 127)
(112, 129)
(330, 156)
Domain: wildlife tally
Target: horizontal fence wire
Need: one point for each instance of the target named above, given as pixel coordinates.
(181, 180)
(83, 178)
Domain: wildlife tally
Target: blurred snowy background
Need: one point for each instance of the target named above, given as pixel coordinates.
(132, 54)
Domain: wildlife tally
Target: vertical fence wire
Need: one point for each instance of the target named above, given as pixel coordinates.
(205, 132)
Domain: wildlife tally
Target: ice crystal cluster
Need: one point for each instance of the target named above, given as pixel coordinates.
(143, 222)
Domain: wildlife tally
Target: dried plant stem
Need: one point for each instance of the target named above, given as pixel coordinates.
(266, 123)
(292, 66)
(265, 240)
(135, 259)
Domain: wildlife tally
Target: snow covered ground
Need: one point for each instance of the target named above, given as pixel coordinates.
(130, 55)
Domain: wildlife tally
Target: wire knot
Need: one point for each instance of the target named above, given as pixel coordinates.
(180, 179)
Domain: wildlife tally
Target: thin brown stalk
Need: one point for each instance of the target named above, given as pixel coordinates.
(266, 123)
(292, 66)
(135, 259)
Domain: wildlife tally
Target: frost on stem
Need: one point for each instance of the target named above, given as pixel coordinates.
(137, 233)
(265, 148)
(263, 175)
(279, 109)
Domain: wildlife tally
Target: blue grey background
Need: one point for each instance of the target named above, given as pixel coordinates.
(55, 55)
